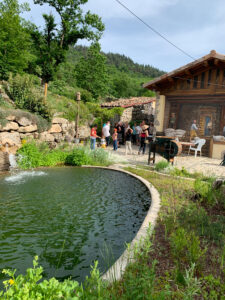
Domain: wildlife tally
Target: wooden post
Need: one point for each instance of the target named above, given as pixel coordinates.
(78, 115)
(46, 91)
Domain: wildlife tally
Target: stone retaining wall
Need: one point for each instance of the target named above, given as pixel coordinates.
(16, 129)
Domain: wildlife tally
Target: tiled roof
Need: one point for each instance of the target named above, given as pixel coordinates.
(129, 102)
(212, 55)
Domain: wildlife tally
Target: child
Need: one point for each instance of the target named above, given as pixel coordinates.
(128, 137)
(93, 136)
(115, 136)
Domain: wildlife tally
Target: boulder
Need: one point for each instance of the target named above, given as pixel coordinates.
(65, 128)
(27, 129)
(4, 161)
(60, 121)
(58, 137)
(24, 121)
(46, 137)
(56, 128)
(11, 118)
(12, 139)
(10, 126)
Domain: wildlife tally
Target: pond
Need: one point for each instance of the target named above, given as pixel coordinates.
(69, 217)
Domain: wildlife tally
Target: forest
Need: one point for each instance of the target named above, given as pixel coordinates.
(31, 57)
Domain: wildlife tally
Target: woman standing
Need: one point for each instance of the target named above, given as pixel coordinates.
(143, 136)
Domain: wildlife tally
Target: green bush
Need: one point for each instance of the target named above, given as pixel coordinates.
(33, 155)
(185, 247)
(28, 287)
(78, 157)
(161, 165)
(22, 90)
(208, 195)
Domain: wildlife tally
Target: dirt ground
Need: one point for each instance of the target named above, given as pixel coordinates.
(205, 165)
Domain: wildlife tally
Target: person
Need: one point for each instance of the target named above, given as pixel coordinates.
(172, 121)
(93, 136)
(115, 137)
(194, 129)
(143, 135)
(152, 131)
(128, 137)
(106, 132)
(138, 132)
(134, 133)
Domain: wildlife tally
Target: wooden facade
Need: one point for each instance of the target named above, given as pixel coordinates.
(195, 92)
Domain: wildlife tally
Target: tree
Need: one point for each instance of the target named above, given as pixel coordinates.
(14, 39)
(91, 72)
(56, 38)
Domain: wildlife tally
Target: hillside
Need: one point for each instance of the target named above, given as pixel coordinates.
(119, 61)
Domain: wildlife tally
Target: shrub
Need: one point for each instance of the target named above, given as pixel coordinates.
(78, 157)
(185, 247)
(27, 286)
(21, 89)
(33, 155)
(209, 195)
(161, 165)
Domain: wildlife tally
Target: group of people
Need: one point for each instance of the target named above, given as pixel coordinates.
(124, 134)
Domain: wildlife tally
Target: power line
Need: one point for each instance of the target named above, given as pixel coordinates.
(155, 31)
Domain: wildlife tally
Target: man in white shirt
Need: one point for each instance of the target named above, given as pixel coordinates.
(106, 132)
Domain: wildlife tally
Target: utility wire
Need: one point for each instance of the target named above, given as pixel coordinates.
(167, 40)
(154, 30)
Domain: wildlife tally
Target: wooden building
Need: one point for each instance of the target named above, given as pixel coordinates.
(195, 91)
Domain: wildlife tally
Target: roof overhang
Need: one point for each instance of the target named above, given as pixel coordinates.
(152, 85)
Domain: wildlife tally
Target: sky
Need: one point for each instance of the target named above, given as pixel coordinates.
(196, 26)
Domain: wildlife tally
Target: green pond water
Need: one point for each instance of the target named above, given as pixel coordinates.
(69, 217)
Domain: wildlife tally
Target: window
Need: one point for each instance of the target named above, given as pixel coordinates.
(217, 75)
(195, 84)
(209, 77)
(203, 80)
(188, 84)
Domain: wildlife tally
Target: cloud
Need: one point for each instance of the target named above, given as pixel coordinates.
(110, 9)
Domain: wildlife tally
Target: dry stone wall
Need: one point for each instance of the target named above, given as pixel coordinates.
(17, 129)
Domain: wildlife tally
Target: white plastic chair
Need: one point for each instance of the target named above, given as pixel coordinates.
(199, 143)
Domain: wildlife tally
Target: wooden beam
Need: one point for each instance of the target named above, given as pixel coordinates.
(216, 61)
(188, 72)
(170, 79)
(205, 63)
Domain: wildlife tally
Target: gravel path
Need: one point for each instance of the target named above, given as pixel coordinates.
(205, 165)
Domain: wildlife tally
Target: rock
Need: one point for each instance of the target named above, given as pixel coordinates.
(58, 137)
(60, 121)
(217, 184)
(56, 128)
(65, 128)
(68, 139)
(27, 129)
(4, 161)
(12, 139)
(46, 137)
(24, 121)
(11, 118)
(10, 126)
(36, 135)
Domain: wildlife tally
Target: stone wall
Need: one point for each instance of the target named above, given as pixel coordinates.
(16, 129)
(139, 112)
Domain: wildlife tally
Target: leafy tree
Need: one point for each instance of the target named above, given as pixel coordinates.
(91, 72)
(56, 38)
(14, 39)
